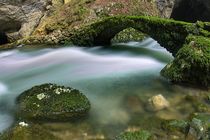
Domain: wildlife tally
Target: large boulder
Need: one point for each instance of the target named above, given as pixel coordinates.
(192, 63)
(52, 102)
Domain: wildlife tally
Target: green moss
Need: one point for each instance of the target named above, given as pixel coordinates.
(176, 125)
(137, 135)
(146, 122)
(127, 35)
(204, 117)
(192, 62)
(31, 132)
(200, 124)
(52, 102)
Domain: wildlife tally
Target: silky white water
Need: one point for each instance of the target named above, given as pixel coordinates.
(105, 75)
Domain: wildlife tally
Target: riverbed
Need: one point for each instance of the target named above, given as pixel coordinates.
(118, 80)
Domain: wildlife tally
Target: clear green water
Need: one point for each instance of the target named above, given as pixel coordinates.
(118, 80)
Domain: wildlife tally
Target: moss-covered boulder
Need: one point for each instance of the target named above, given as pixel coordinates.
(199, 126)
(192, 63)
(52, 102)
(24, 131)
(137, 135)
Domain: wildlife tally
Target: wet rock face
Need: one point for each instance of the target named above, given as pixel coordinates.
(18, 18)
(50, 102)
(191, 10)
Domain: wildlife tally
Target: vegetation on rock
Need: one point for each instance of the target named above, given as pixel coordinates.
(27, 132)
(52, 102)
(169, 33)
(192, 62)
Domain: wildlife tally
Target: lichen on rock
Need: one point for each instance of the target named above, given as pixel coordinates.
(52, 102)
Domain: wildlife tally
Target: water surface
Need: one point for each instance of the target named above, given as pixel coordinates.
(118, 80)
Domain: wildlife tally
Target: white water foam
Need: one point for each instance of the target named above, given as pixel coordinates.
(6, 121)
(3, 88)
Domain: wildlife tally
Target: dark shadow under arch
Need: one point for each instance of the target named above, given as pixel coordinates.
(3, 38)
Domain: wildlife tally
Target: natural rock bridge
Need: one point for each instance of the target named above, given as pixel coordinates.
(189, 43)
(169, 33)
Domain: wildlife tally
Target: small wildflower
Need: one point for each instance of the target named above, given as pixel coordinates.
(23, 124)
(41, 96)
(57, 91)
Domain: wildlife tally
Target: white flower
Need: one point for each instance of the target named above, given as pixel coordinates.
(60, 90)
(41, 96)
(57, 91)
(36, 104)
(23, 124)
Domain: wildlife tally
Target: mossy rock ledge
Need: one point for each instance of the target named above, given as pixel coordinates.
(192, 62)
(52, 102)
(24, 131)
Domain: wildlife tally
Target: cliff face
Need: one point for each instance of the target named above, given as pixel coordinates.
(22, 18)
(191, 10)
(19, 18)
(76, 13)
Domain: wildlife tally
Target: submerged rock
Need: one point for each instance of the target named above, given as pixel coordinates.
(158, 102)
(199, 127)
(24, 131)
(176, 125)
(199, 101)
(137, 135)
(52, 102)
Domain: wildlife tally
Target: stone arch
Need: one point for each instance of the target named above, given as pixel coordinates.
(168, 33)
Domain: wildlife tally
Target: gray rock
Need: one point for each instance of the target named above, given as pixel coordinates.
(199, 127)
(19, 18)
(165, 7)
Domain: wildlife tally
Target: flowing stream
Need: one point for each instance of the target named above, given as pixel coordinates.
(118, 80)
